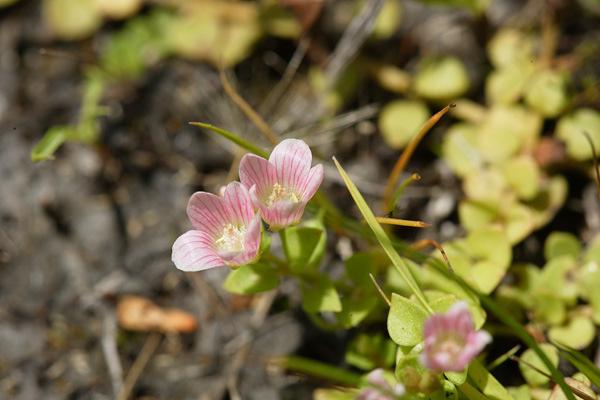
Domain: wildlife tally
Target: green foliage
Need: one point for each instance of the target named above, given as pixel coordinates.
(531, 375)
(561, 244)
(441, 79)
(547, 93)
(482, 258)
(72, 19)
(571, 128)
(577, 334)
(140, 43)
(582, 363)
(87, 129)
(304, 247)
(405, 321)
(370, 351)
(52, 140)
(400, 120)
(320, 296)
(252, 278)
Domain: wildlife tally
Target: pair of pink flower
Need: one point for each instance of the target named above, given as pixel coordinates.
(227, 229)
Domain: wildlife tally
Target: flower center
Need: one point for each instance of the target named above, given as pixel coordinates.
(232, 239)
(449, 343)
(279, 193)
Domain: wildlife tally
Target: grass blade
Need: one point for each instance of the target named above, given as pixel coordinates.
(233, 138)
(581, 362)
(383, 239)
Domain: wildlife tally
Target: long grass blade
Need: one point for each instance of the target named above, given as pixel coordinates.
(383, 239)
(233, 138)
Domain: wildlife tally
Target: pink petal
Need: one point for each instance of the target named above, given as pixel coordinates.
(475, 344)
(194, 251)
(208, 212)
(238, 201)
(256, 171)
(251, 243)
(377, 378)
(282, 214)
(311, 183)
(292, 159)
(433, 326)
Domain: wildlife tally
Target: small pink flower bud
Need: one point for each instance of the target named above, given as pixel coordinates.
(379, 388)
(227, 231)
(451, 340)
(282, 186)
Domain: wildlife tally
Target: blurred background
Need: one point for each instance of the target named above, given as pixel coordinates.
(97, 162)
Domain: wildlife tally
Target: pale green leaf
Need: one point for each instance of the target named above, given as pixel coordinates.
(400, 120)
(320, 296)
(532, 376)
(252, 278)
(577, 334)
(441, 79)
(304, 248)
(405, 321)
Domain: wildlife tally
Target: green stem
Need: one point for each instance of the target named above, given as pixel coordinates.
(319, 370)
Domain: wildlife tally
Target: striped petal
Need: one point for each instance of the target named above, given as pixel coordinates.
(208, 213)
(251, 243)
(282, 214)
(194, 251)
(238, 201)
(311, 183)
(291, 159)
(256, 171)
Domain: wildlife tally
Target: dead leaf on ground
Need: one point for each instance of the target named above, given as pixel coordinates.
(140, 314)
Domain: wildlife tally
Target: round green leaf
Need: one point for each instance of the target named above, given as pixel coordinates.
(506, 130)
(490, 253)
(400, 120)
(589, 282)
(570, 129)
(533, 377)
(205, 34)
(547, 92)
(441, 79)
(506, 85)
(522, 173)
(459, 149)
(577, 334)
(485, 184)
(475, 214)
(520, 222)
(405, 321)
(72, 19)
(510, 47)
(560, 244)
(252, 278)
(320, 296)
(388, 20)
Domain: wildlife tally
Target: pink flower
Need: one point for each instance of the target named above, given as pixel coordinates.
(379, 388)
(282, 186)
(451, 340)
(227, 231)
